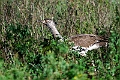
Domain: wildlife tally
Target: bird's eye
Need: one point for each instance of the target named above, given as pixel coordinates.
(48, 21)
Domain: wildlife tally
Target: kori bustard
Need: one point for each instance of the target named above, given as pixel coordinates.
(82, 43)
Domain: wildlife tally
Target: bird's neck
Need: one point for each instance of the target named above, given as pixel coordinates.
(55, 32)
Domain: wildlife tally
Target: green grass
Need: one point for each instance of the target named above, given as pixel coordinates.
(28, 50)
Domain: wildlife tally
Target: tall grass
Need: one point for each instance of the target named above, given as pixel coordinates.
(28, 51)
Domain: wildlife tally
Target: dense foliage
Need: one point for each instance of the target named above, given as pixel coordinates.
(29, 52)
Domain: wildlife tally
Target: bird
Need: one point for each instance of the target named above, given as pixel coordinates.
(82, 43)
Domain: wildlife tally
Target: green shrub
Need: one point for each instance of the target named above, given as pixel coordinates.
(28, 51)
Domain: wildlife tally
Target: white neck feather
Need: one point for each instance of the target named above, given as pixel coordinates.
(54, 30)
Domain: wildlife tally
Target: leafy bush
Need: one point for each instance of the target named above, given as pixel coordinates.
(13, 72)
(28, 50)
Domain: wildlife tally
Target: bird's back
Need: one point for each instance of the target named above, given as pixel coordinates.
(86, 40)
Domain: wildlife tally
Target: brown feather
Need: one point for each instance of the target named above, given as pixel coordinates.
(86, 40)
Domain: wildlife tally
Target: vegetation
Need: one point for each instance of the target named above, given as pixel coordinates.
(29, 52)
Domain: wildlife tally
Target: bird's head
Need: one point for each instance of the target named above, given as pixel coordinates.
(48, 22)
